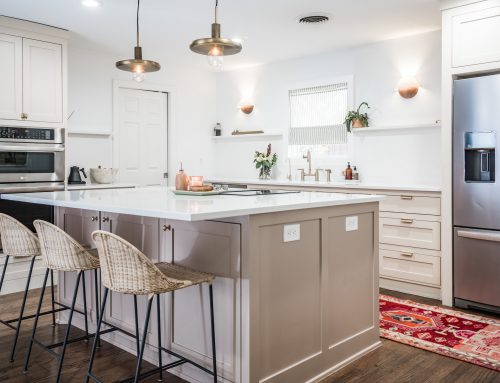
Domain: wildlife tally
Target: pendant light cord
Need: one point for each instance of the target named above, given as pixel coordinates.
(216, 9)
(138, 6)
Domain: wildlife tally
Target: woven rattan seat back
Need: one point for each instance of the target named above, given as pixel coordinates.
(61, 252)
(125, 269)
(17, 239)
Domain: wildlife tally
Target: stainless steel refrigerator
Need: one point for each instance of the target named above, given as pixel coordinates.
(476, 192)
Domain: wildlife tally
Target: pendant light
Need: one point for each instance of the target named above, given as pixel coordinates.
(137, 65)
(215, 47)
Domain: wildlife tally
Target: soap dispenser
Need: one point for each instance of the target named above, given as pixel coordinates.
(181, 180)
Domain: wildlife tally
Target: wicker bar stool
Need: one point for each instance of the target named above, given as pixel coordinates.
(19, 242)
(61, 252)
(125, 269)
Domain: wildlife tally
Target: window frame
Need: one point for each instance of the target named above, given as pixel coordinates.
(349, 79)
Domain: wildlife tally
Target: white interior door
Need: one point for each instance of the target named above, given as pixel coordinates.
(142, 136)
(11, 56)
(42, 81)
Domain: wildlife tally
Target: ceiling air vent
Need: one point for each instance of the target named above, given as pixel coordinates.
(314, 19)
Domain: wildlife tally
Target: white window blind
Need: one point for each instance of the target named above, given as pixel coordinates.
(317, 115)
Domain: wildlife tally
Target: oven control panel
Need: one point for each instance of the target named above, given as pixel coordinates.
(26, 133)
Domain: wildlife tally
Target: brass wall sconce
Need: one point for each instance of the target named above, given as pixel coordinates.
(247, 108)
(408, 87)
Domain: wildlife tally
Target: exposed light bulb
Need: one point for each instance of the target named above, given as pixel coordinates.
(216, 56)
(138, 73)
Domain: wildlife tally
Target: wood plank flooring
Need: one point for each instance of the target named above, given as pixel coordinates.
(391, 363)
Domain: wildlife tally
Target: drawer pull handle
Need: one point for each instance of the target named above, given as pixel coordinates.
(407, 254)
(407, 221)
(491, 236)
(407, 197)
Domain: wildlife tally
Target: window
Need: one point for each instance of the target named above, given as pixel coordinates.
(317, 120)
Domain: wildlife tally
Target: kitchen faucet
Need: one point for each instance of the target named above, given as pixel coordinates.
(303, 174)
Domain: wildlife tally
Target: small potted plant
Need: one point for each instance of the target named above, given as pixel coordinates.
(264, 162)
(356, 119)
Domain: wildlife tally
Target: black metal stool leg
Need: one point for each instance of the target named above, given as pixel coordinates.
(158, 317)
(212, 324)
(21, 312)
(35, 324)
(53, 298)
(136, 326)
(143, 342)
(68, 329)
(94, 347)
(96, 286)
(85, 306)
(4, 271)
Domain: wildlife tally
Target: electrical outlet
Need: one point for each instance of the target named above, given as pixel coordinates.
(351, 223)
(291, 233)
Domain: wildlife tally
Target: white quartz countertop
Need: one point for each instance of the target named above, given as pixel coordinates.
(88, 186)
(324, 184)
(160, 202)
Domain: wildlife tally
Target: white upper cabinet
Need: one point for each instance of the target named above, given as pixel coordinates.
(476, 37)
(42, 81)
(11, 56)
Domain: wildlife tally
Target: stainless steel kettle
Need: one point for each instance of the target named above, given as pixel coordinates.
(74, 177)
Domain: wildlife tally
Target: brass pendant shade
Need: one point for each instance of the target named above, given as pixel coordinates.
(215, 45)
(137, 65)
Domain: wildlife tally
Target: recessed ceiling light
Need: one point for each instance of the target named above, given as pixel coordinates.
(91, 3)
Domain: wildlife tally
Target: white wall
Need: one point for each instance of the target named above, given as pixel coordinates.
(192, 113)
(409, 157)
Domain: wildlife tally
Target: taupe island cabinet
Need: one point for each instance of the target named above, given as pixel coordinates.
(296, 289)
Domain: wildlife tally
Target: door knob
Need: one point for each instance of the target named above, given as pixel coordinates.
(105, 219)
(94, 219)
(167, 227)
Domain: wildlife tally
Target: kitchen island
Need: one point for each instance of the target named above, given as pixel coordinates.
(296, 289)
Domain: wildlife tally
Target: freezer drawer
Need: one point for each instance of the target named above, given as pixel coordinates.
(476, 265)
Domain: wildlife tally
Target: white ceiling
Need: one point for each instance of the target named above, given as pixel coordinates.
(269, 27)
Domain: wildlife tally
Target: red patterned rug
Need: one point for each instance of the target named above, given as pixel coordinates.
(470, 338)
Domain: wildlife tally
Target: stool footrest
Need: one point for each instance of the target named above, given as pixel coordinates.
(155, 371)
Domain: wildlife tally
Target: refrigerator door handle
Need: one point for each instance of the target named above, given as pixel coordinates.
(482, 235)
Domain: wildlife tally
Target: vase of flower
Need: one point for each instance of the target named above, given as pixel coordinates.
(264, 162)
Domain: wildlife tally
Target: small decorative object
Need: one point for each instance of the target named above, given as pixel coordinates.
(264, 162)
(356, 119)
(103, 175)
(181, 180)
(247, 108)
(408, 87)
(217, 129)
(195, 181)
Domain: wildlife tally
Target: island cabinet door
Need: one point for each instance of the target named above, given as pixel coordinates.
(142, 232)
(79, 224)
(212, 247)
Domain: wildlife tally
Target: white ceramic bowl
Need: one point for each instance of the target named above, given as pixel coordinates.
(103, 175)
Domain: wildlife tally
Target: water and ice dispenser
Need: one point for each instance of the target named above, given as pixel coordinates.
(480, 156)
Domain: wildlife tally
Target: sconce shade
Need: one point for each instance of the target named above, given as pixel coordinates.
(247, 109)
(408, 87)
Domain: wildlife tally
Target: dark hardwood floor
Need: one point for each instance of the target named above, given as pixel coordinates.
(391, 363)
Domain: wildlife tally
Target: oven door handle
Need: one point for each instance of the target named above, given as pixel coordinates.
(492, 236)
(33, 148)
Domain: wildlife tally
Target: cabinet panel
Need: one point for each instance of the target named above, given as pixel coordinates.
(42, 81)
(212, 247)
(476, 37)
(410, 232)
(11, 56)
(410, 266)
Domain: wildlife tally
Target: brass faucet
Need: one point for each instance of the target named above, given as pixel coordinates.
(303, 174)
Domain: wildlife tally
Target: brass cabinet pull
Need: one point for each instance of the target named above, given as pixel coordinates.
(24, 116)
(94, 219)
(406, 197)
(105, 219)
(407, 254)
(407, 221)
(167, 227)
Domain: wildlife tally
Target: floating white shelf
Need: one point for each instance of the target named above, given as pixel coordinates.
(249, 137)
(395, 128)
(89, 133)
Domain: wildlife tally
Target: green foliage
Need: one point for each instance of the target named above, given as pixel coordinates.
(356, 115)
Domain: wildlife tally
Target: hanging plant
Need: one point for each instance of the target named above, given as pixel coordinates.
(356, 119)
